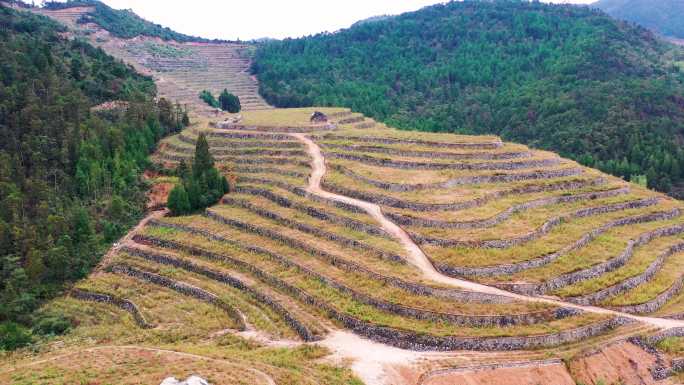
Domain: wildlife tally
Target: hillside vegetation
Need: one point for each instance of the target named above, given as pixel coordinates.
(69, 177)
(663, 16)
(564, 78)
(121, 23)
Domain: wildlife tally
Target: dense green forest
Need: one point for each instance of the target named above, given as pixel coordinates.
(121, 23)
(559, 77)
(664, 16)
(70, 177)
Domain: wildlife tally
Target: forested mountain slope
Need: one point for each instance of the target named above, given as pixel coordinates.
(69, 176)
(663, 16)
(558, 77)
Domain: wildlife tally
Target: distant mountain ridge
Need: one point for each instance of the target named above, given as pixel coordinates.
(664, 16)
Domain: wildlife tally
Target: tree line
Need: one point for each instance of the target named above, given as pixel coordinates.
(70, 175)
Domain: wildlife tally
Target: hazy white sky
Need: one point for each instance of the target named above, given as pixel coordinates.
(252, 19)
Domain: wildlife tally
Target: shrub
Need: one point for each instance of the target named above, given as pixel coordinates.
(208, 98)
(229, 102)
(178, 201)
(51, 324)
(13, 336)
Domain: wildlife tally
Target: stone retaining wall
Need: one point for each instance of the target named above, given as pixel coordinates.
(507, 269)
(502, 216)
(406, 339)
(629, 283)
(428, 154)
(385, 200)
(411, 287)
(337, 115)
(542, 230)
(250, 161)
(124, 304)
(352, 120)
(267, 170)
(292, 129)
(218, 143)
(656, 303)
(365, 125)
(248, 135)
(315, 212)
(229, 151)
(279, 309)
(182, 288)
(405, 311)
(476, 179)
(611, 264)
(413, 165)
(308, 229)
(303, 193)
(369, 139)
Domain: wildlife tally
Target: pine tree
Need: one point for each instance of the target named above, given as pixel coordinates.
(203, 159)
(229, 102)
(178, 201)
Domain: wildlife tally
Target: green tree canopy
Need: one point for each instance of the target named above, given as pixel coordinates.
(560, 77)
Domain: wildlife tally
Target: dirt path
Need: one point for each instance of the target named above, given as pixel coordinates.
(126, 239)
(418, 258)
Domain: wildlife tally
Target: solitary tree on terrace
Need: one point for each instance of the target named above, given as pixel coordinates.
(229, 102)
(199, 187)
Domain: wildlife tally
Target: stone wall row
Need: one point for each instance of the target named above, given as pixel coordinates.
(413, 165)
(302, 192)
(352, 120)
(229, 151)
(385, 200)
(308, 229)
(656, 303)
(475, 179)
(629, 283)
(109, 299)
(370, 139)
(504, 215)
(611, 264)
(428, 154)
(267, 170)
(512, 268)
(218, 143)
(182, 288)
(394, 308)
(410, 340)
(248, 135)
(315, 212)
(298, 326)
(539, 232)
(598, 269)
(291, 129)
(411, 287)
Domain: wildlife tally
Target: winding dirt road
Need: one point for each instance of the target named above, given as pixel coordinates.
(418, 258)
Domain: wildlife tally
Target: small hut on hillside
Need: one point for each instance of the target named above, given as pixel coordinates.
(319, 117)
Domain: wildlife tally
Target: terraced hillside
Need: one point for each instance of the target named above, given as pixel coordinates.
(357, 237)
(181, 70)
